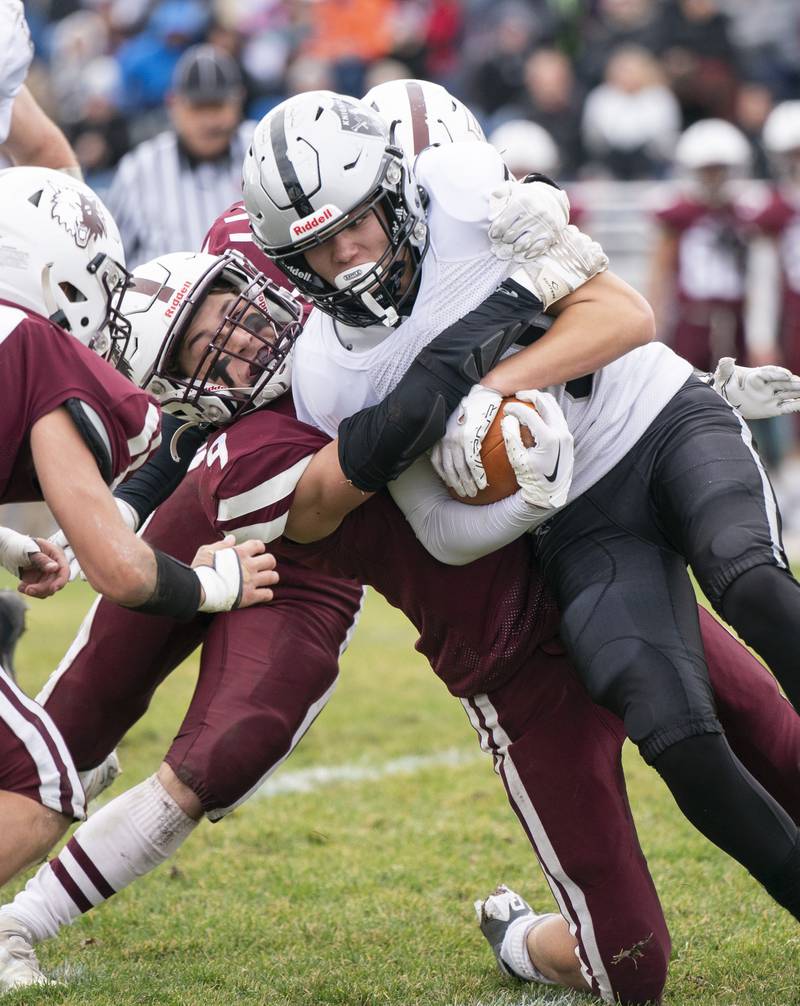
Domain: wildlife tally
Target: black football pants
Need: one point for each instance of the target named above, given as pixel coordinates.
(690, 490)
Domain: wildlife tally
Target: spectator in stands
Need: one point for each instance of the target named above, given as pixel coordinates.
(497, 80)
(75, 42)
(553, 99)
(631, 121)
(699, 58)
(168, 190)
(617, 23)
(149, 59)
(100, 134)
(348, 34)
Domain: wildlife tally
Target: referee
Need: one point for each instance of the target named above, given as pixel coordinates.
(168, 191)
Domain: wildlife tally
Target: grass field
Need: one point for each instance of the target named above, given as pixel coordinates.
(352, 883)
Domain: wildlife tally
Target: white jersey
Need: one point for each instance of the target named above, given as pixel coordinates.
(331, 381)
(16, 53)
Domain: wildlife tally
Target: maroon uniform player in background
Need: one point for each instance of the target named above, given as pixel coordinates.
(489, 632)
(698, 273)
(777, 219)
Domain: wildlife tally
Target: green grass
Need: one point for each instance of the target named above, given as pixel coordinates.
(360, 894)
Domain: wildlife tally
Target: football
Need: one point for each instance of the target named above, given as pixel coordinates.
(501, 481)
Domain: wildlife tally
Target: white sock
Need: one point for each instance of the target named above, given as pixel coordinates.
(127, 838)
(514, 950)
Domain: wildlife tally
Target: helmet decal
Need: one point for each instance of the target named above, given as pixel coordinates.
(79, 215)
(353, 120)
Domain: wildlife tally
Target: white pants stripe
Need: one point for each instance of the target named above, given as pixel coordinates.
(59, 786)
(569, 896)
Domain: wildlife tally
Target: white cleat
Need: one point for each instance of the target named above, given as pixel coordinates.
(496, 916)
(96, 780)
(18, 964)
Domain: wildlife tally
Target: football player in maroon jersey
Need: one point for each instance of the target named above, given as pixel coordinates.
(70, 427)
(698, 273)
(488, 631)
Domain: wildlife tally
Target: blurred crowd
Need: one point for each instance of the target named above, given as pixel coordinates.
(613, 81)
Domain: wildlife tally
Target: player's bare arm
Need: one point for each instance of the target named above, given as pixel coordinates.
(40, 565)
(322, 499)
(596, 324)
(35, 139)
(117, 564)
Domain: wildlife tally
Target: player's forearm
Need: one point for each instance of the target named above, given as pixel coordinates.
(322, 499)
(453, 532)
(35, 139)
(601, 321)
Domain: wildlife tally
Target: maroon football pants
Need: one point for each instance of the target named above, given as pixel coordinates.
(559, 756)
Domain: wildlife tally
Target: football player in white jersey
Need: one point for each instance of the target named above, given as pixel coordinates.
(665, 471)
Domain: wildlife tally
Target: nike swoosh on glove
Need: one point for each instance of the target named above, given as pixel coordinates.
(544, 471)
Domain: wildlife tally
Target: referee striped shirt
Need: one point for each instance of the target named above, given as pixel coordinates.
(163, 201)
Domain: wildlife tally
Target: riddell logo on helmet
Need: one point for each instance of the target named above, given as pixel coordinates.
(175, 303)
(314, 221)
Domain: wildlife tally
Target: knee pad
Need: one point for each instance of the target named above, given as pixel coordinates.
(660, 698)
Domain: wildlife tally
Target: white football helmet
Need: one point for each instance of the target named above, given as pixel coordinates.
(159, 305)
(782, 140)
(713, 143)
(318, 162)
(526, 147)
(422, 114)
(710, 144)
(61, 252)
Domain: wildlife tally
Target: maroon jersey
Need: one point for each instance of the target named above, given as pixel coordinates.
(478, 625)
(231, 230)
(41, 367)
(779, 217)
(710, 279)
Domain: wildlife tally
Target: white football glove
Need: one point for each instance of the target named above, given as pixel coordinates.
(457, 456)
(16, 550)
(222, 580)
(568, 263)
(544, 471)
(527, 217)
(129, 517)
(757, 392)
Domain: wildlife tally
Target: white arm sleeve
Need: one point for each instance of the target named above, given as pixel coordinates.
(763, 296)
(453, 532)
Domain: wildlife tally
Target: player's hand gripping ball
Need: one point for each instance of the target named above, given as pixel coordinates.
(500, 475)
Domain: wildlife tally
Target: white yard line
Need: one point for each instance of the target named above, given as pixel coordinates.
(308, 780)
